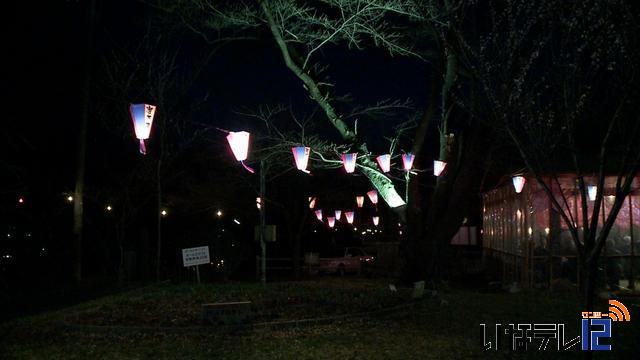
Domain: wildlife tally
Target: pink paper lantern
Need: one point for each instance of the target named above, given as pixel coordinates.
(349, 216)
(407, 161)
(301, 156)
(331, 221)
(142, 116)
(349, 162)
(318, 214)
(518, 183)
(360, 201)
(384, 161)
(239, 143)
(376, 220)
(373, 196)
(338, 214)
(312, 202)
(438, 167)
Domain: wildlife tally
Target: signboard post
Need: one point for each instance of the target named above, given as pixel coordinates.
(194, 257)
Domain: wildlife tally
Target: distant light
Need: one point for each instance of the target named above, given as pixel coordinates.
(438, 167)
(355, 228)
(593, 191)
(69, 198)
(163, 212)
(546, 230)
(338, 214)
(530, 231)
(318, 214)
(312, 202)
(219, 213)
(376, 220)
(373, 196)
(20, 200)
(331, 221)
(259, 203)
(400, 232)
(360, 201)
(109, 208)
(236, 221)
(518, 213)
(518, 183)
(349, 215)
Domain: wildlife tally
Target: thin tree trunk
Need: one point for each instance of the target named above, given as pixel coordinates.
(78, 206)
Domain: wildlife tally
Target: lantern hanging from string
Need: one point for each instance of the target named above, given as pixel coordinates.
(349, 216)
(518, 183)
(438, 167)
(360, 201)
(338, 214)
(331, 221)
(407, 161)
(373, 196)
(312, 202)
(318, 214)
(384, 161)
(301, 156)
(239, 143)
(142, 116)
(376, 220)
(592, 190)
(349, 162)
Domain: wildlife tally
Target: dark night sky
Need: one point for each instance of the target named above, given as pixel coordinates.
(43, 77)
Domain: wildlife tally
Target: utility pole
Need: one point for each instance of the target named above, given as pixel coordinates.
(263, 244)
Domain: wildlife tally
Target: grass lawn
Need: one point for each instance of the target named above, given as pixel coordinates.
(163, 322)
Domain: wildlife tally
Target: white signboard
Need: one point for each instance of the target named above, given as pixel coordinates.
(195, 256)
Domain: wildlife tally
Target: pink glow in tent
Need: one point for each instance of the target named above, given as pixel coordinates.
(301, 156)
(318, 214)
(349, 162)
(349, 216)
(384, 161)
(518, 183)
(142, 116)
(438, 167)
(407, 161)
(312, 202)
(338, 214)
(373, 196)
(376, 220)
(239, 143)
(331, 221)
(360, 201)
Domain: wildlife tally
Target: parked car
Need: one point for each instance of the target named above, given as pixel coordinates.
(347, 260)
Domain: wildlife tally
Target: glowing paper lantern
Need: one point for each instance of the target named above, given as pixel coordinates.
(349, 216)
(331, 221)
(142, 116)
(360, 201)
(376, 220)
(373, 196)
(593, 191)
(338, 214)
(259, 203)
(301, 156)
(318, 214)
(239, 143)
(438, 167)
(312, 202)
(407, 161)
(384, 161)
(349, 162)
(518, 183)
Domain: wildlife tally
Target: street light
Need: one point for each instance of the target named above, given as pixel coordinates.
(164, 212)
(70, 198)
(109, 208)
